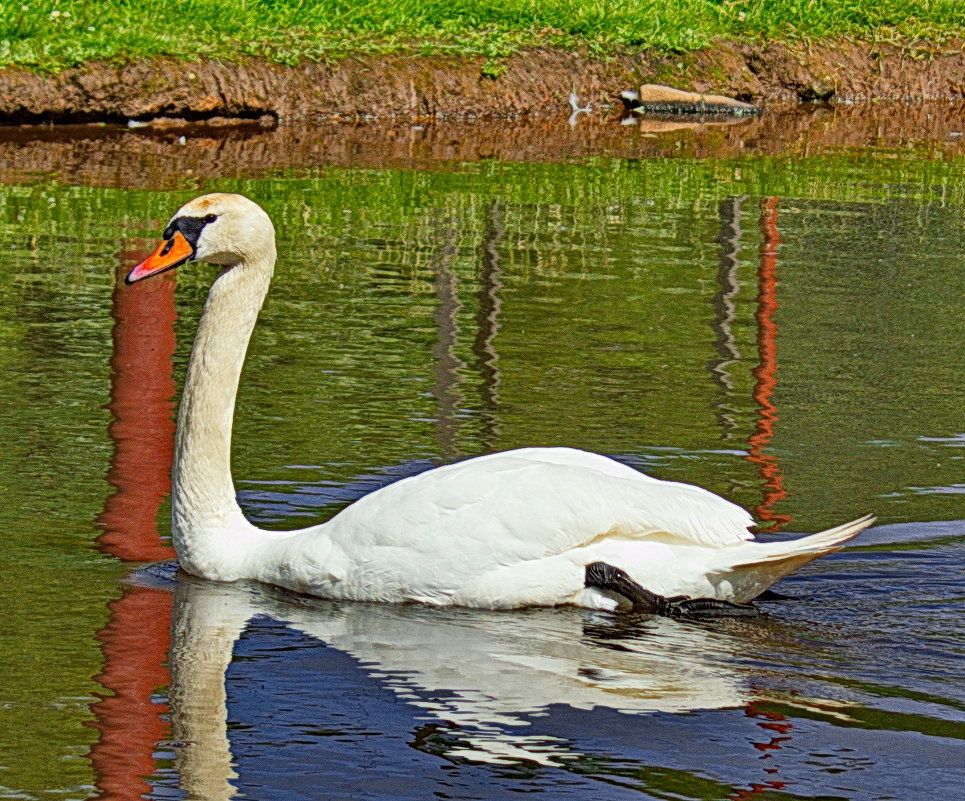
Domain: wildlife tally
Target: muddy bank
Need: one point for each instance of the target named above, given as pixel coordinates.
(533, 83)
(115, 156)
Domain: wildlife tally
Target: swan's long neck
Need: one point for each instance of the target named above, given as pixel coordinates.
(208, 527)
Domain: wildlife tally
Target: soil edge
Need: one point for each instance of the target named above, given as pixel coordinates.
(534, 82)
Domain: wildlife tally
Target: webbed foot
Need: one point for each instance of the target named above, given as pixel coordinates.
(604, 576)
(693, 608)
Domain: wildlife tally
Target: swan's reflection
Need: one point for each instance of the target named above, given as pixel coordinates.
(484, 674)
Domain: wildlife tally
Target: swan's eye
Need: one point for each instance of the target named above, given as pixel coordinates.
(210, 218)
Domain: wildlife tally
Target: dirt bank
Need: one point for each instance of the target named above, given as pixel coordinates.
(531, 83)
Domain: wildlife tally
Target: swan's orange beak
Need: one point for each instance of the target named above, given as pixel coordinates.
(170, 253)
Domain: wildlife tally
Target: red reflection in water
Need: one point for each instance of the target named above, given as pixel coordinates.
(136, 638)
(771, 722)
(766, 372)
(142, 430)
(135, 646)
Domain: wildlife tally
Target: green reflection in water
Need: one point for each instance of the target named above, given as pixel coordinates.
(610, 305)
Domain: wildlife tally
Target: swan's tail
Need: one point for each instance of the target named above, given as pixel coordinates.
(756, 566)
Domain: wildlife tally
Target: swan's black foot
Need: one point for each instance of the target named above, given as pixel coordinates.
(607, 577)
(692, 608)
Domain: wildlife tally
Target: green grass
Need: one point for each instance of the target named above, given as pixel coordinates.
(53, 34)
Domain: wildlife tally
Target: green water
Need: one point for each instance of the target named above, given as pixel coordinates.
(422, 316)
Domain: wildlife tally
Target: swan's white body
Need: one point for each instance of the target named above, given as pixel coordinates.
(505, 530)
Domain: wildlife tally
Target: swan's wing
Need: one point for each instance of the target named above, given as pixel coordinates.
(531, 504)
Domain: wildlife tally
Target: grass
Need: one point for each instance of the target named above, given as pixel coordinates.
(50, 35)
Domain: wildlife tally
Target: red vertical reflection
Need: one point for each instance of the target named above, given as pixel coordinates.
(136, 638)
(778, 728)
(766, 372)
(142, 393)
(135, 644)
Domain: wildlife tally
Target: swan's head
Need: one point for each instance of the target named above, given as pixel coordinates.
(220, 228)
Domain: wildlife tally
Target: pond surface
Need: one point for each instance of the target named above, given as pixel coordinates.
(780, 324)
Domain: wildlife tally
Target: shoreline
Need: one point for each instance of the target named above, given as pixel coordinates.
(533, 83)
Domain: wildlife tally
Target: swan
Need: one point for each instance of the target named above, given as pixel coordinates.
(526, 527)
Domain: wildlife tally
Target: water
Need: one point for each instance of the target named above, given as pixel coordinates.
(779, 321)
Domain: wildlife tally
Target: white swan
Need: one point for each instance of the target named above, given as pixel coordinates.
(529, 527)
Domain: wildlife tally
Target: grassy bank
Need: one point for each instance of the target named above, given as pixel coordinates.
(50, 35)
